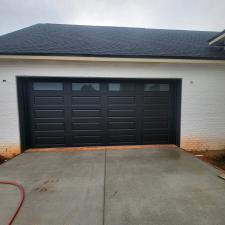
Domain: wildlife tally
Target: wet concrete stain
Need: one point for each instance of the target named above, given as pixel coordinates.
(46, 185)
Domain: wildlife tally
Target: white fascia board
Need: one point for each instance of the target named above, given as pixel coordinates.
(108, 59)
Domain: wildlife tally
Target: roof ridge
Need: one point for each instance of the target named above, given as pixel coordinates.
(124, 27)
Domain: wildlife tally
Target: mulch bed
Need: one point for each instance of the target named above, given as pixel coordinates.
(214, 157)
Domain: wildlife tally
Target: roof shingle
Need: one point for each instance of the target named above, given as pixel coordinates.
(77, 40)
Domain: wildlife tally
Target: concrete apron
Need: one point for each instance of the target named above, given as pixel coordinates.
(143, 187)
(99, 148)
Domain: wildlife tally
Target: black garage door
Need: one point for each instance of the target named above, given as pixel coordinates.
(100, 112)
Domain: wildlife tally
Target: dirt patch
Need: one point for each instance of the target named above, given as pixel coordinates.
(2, 159)
(214, 157)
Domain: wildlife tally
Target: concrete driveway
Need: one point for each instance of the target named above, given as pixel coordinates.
(121, 187)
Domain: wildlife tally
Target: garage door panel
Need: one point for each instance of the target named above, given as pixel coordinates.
(49, 100)
(48, 126)
(122, 119)
(87, 139)
(80, 100)
(86, 113)
(123, 143)
(87, 132)
(119, 113)
(156, 113)
(49, 133)
(86, 107)
(87, 126)
(126, 137)
(121, 100)
(155, 119)
(47, 93)
(155, 142)
(47, 120)
(122, 125)
(156, 138)
(156, 100)
(122, 107)
(122, 139)
(85, 144)
(76, 94)
(86, 119)
(155, 131)
(48, 107)
(156, 124)
(47, 113)
(81, 112)
(122, 132)
(156, 93)
(164, 107)
(48, 140)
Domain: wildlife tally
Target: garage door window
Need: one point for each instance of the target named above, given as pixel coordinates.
(156, 87)
(121, 87)
(85, 86)
(47, 86)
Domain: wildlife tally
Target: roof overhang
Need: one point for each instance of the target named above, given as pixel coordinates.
(108, 59)
(218, 40)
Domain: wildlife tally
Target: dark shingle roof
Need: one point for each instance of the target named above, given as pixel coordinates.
(76, 40)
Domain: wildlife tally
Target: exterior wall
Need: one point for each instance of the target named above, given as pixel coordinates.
(203, 95)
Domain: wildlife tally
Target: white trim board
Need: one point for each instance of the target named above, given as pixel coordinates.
(109, 59)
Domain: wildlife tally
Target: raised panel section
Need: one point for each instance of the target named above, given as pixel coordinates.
(156, 138)
(80, 100)
(49, 126)
(86, 113)
(122, 132)
(156, 113)
(156, 124)
(87, 139)
(86, 126)
(121, 100)
(156, 100)
(122, 119)
(119, 113)
(44, 113)
(156, 131)
(48, 100)
(164, 107)
(53, 141)
(122, 139)
(122, 125)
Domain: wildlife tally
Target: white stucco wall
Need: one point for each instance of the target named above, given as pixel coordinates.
(203, 101)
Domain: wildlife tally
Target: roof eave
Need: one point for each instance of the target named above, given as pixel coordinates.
(111, 59)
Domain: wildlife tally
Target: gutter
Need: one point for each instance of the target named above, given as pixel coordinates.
(109, 59)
